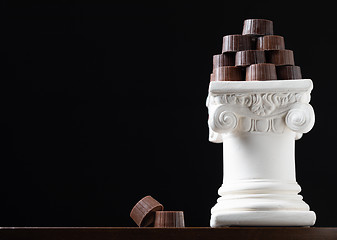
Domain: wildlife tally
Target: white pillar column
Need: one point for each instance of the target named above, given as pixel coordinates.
(258, 122)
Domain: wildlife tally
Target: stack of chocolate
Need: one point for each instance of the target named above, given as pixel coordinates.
(256, 55)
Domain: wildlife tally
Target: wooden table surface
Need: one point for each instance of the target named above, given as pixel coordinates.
(194, 233)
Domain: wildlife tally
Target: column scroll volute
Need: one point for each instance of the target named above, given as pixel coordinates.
(223, 120)
(300, 118)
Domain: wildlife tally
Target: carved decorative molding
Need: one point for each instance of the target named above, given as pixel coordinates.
(262, 104)
(268, 109)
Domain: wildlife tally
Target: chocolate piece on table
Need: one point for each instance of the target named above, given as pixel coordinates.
(235, 43)
(261, 72)
(270, 42)
(143, 213)
(257, 27)
(169, 219)
(248, 57)
(228, 73)
(281, 57)
(288, 72)
(224, 59)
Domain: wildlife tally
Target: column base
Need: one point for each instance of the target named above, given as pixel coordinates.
(263, 218)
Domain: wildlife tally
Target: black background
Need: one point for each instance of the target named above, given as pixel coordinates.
(103, 104)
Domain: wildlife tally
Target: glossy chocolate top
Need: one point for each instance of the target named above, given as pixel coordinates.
(227, 73)
(288, 72)
(281, 57)
(270, 42)
(257, 27)
(248, 57)
(261, 72)
(224, 59)
(234, 43)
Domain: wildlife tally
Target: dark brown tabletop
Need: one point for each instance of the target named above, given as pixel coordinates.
(195, 233)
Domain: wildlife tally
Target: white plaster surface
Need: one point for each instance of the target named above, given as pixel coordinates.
(258, 123)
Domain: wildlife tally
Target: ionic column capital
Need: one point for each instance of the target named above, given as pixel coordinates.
(267, 107)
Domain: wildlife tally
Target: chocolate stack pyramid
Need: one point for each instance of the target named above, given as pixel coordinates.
(256, 55)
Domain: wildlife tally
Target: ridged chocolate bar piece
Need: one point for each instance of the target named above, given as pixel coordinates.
(212, 77)
(224, 59)
(143, 213)
(270, 42)
(166, 219)
(261, 72)
(235, 43)
(288, 72)
(248, 57)
(257, 27)
(228, 73)
(281, 57)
